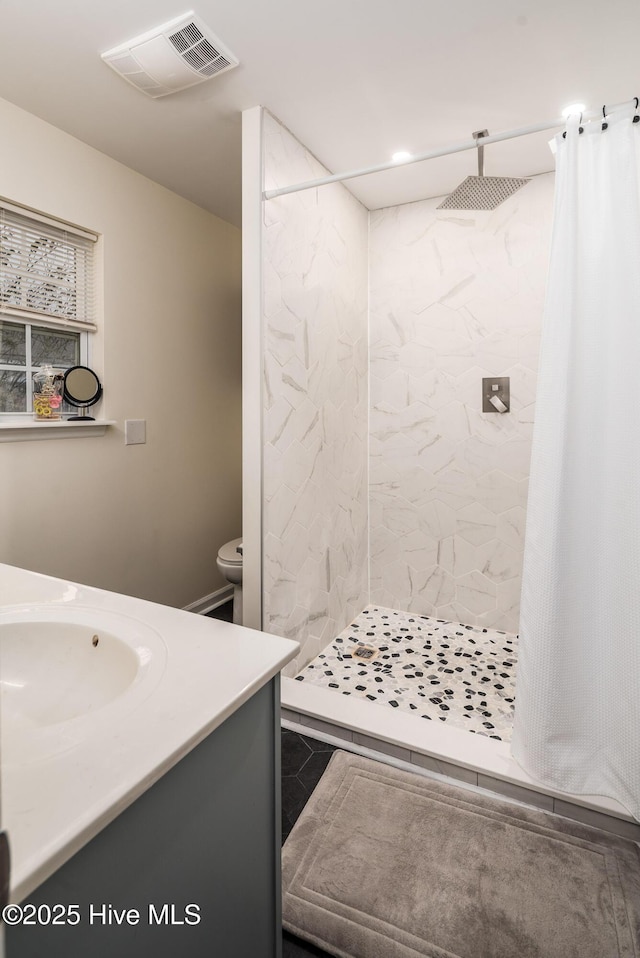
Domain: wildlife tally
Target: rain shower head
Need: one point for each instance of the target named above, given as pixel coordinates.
(482, 192)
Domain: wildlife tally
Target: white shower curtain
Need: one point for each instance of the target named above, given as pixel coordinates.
(577, 720)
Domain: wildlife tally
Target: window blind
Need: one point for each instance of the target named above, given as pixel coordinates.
(47, 270)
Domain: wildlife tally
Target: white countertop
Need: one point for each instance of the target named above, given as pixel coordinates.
(54, 806)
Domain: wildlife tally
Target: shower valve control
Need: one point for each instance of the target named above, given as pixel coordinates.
(496, 394)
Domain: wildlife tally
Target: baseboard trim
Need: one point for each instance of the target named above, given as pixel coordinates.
(211, 601)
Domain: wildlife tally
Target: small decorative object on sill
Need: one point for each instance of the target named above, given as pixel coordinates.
(48, 386)
(82, 389)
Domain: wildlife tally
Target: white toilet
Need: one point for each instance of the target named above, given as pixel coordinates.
(229, 563)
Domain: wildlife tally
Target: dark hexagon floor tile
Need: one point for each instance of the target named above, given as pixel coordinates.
(294, 753)
(293, 947)
(317, 746)
(294, 796)
(312, 771)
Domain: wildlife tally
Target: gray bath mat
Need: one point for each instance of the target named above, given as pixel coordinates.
(384, 863)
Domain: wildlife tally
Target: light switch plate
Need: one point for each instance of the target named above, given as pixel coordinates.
(135, 431)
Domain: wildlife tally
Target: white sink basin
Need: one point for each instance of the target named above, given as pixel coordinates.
(63, 672)
(54, 671)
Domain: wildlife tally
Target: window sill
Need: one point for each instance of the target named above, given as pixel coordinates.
(17, 431)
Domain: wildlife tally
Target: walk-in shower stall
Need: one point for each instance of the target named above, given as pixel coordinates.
(376, 489)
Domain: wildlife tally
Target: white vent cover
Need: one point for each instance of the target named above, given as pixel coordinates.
(173, 56)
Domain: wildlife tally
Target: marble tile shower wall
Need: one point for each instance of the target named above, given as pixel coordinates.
(454, 297)
(315, 462)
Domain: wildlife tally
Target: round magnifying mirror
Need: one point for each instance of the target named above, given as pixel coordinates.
(82, 388)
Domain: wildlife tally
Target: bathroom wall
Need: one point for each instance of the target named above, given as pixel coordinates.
(315, 402)
(146, 519)
(454, 296)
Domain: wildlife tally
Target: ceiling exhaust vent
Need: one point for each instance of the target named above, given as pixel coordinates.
(171, 57)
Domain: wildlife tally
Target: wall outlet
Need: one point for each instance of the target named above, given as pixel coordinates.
(135, 431)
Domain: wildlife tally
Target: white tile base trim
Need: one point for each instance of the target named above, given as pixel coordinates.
(209, 602)
(391, 755)
(439, 750)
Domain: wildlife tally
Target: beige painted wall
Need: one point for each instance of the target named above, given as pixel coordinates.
(145, 520)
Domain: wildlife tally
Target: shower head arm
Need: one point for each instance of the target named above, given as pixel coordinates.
(477, 137)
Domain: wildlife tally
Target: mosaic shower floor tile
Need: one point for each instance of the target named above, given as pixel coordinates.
(438, 670)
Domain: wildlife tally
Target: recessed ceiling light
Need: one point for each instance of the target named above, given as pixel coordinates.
(401, 156)
(574, 108)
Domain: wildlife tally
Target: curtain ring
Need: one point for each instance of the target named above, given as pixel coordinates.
(605, 125)
(580, 128)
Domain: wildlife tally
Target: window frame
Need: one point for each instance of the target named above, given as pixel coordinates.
(29, 369)
(85, 243)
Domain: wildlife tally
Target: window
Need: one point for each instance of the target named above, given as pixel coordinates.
(47, 306)
(24, 347)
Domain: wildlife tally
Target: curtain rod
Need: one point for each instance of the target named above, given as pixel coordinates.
(444, 151)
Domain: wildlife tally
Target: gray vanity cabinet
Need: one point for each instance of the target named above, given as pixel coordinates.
(197, 857)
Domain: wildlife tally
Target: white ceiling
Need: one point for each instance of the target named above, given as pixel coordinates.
(354, 80)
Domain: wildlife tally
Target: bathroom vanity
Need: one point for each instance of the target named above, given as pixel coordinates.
(140, 776)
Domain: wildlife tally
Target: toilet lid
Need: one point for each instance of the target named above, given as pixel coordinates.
(228, 552)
